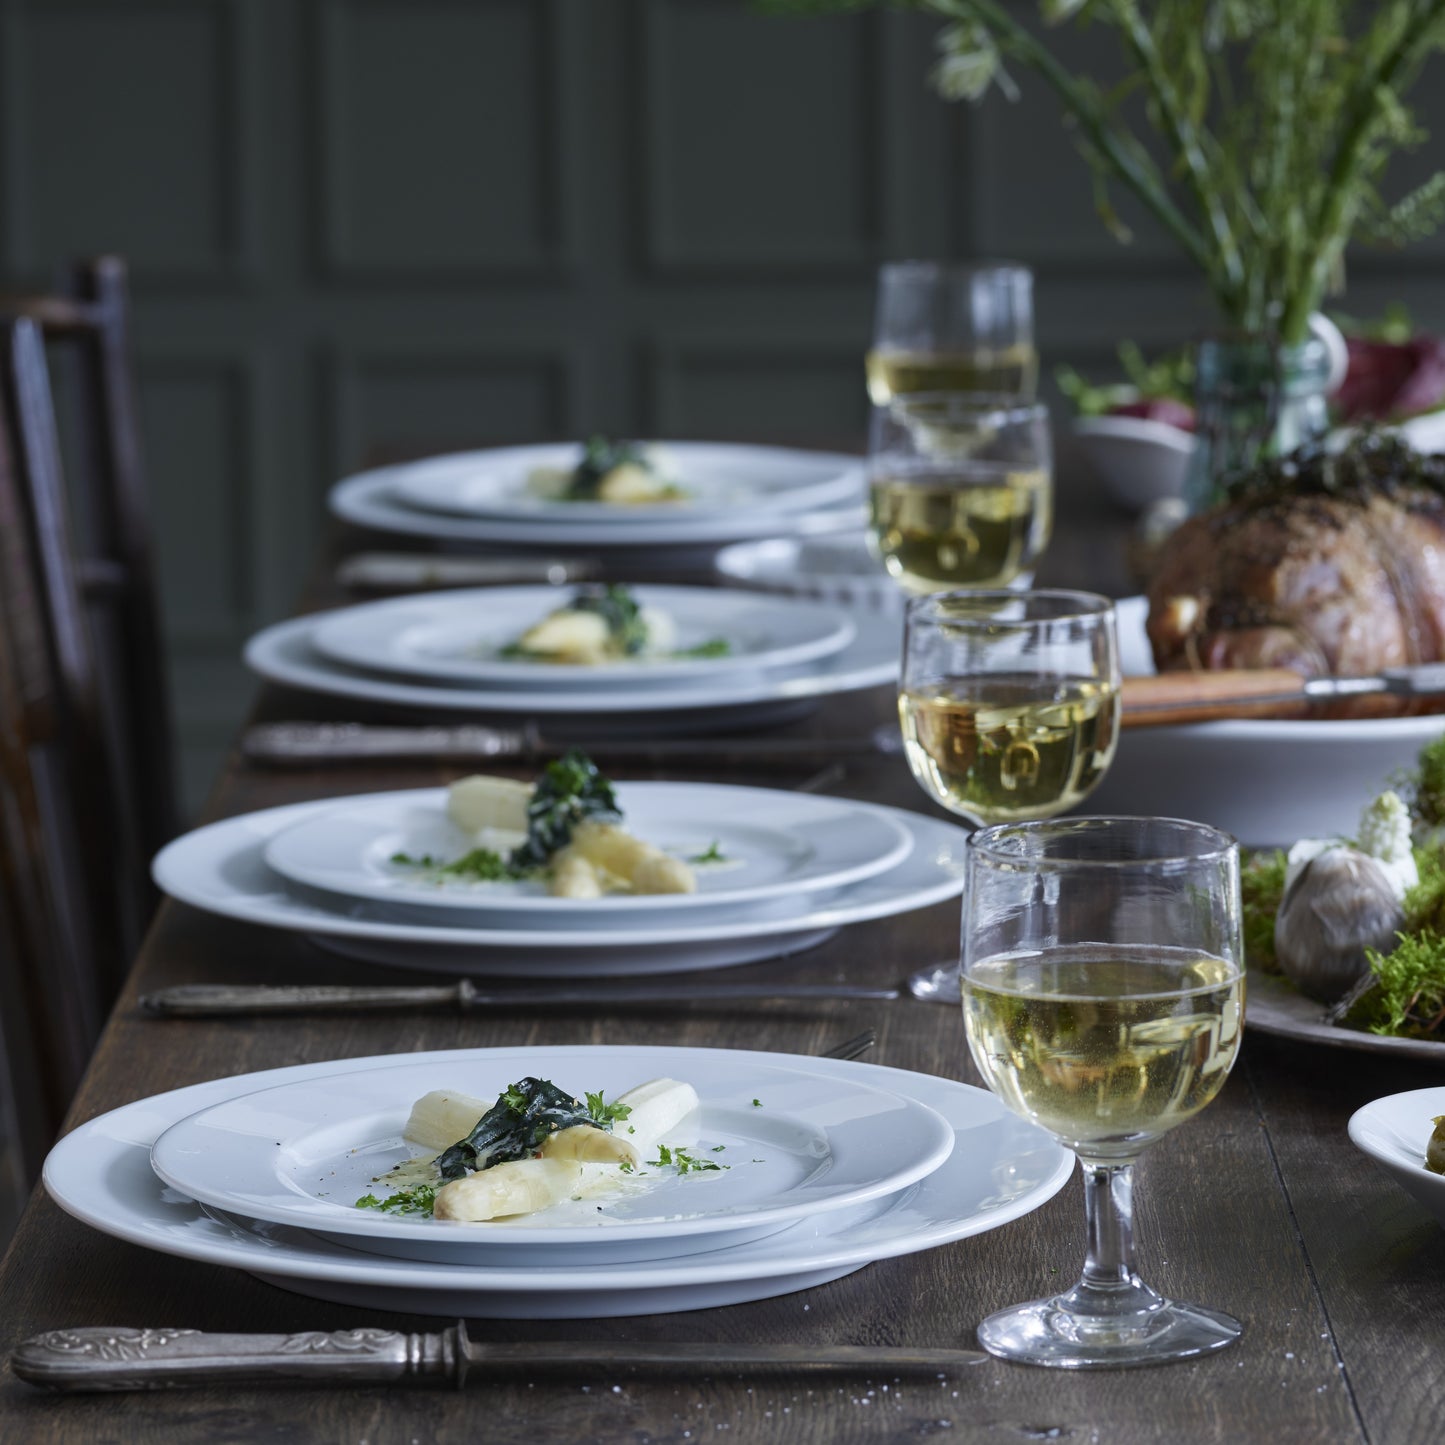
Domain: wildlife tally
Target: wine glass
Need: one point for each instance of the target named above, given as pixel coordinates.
(960, 489)
(1102, 996)
(1009, 706)
(952, 328)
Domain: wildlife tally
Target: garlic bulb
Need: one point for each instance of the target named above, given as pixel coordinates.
(1339, 903)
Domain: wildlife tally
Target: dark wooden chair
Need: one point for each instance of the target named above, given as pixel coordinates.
(65, 940)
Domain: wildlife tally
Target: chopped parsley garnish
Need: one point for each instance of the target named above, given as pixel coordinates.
(711, 854)
(481, 865)
(684, 1162)
(713, 647)
(604, 1113)
(419, 1199)
(757, 1103)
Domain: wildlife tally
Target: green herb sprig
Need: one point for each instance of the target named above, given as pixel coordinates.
(1275, 119)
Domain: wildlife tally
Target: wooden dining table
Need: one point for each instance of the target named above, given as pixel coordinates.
(1259, 1206)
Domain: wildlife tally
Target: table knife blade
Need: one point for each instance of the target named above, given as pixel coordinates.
(206, 1000)
(107, 1358)
(417, 572)
(310, 744)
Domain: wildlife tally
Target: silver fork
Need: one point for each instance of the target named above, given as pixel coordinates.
(853, 1048)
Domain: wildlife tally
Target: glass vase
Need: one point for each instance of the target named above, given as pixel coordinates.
(1254, 398)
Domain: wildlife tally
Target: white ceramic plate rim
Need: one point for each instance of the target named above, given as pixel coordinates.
(430, 484)
(870, 842)
(283, 654)
(371, 636)
(90, 1153)
(931, 873)
(367, 500)
(1376, 1129)
(910, 1143)
(1329, 732)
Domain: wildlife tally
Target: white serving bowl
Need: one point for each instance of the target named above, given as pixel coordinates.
(1393, 1131)
(1138, 461)
(1265, 782)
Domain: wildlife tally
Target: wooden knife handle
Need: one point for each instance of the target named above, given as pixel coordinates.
(1191, 697)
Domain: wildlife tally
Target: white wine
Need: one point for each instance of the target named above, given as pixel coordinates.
(1003, 747)
(980, 527)
(1107, 1046)
(1007, 371)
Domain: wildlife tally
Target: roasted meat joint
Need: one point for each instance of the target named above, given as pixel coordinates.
(1322, 562)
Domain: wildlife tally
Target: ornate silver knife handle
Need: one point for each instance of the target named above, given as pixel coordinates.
(105, 1358)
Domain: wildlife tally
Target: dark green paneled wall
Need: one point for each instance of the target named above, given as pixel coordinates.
(369, 226)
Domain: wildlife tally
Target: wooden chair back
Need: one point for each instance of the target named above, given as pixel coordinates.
(89, 327)
(64, 939)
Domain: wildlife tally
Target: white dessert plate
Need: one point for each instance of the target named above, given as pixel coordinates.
(461, 637)
(716, 479)
(1001, 1168)
(1266, 782)
(285, 654)
(773, 844)
(1393, 1131)
(221, 868)
(779, 1142)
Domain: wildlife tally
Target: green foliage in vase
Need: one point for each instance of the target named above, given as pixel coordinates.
(1276, 119)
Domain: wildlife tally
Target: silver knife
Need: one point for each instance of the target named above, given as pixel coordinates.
(412, 572)
(306, 744)
(112, 1358)
(200, 1000)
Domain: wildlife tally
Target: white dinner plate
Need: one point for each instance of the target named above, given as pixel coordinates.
(1001, 1168)
(370, 500)
(221, 868)
(460, 637)
(285, 654)
(781, 1142)
(717, 480)
(773, 844)
(839, 568)
(1266, 782)
(1394, 1131)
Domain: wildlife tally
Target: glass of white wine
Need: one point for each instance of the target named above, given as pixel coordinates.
(958, 328)
(960, 490)
(1102, 996)
(1009, 701)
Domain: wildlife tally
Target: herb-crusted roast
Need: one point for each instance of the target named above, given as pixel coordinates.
(1323, 564)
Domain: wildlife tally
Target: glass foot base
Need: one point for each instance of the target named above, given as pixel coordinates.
(937, 985)
(1041, 1333)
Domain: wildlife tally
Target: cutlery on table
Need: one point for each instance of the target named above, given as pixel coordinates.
(305, 744)
(417, 571)
(200, 1000)
(109, 1358)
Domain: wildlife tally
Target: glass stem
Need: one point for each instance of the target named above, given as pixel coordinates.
(1110, 1290)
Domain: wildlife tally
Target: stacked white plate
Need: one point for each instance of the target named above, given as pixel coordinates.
(797, 868)
(449, 653)
(831, 1165)
(731, 492)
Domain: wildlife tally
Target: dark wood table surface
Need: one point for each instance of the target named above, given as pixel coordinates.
(1260, 1206)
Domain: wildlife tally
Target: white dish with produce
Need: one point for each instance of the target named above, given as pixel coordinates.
(999, 1170)
(501, 636)
(1266, 782)
(628, 483)
(1396, 1132)
(221, 869)
(742, 845)
(285, 654)
(370, 500)
(728, 1149)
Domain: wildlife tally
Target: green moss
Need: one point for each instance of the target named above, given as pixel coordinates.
(1261, 887)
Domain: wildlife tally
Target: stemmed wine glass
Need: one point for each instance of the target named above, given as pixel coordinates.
(1102, 996)
(960, 489)
(958, 328)
(1009, 705)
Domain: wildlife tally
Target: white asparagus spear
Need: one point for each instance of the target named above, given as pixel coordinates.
(657, 1108)
(592, 1146)
(522, 1187)
(615, 851)
(442, 1117)
(480, 802)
